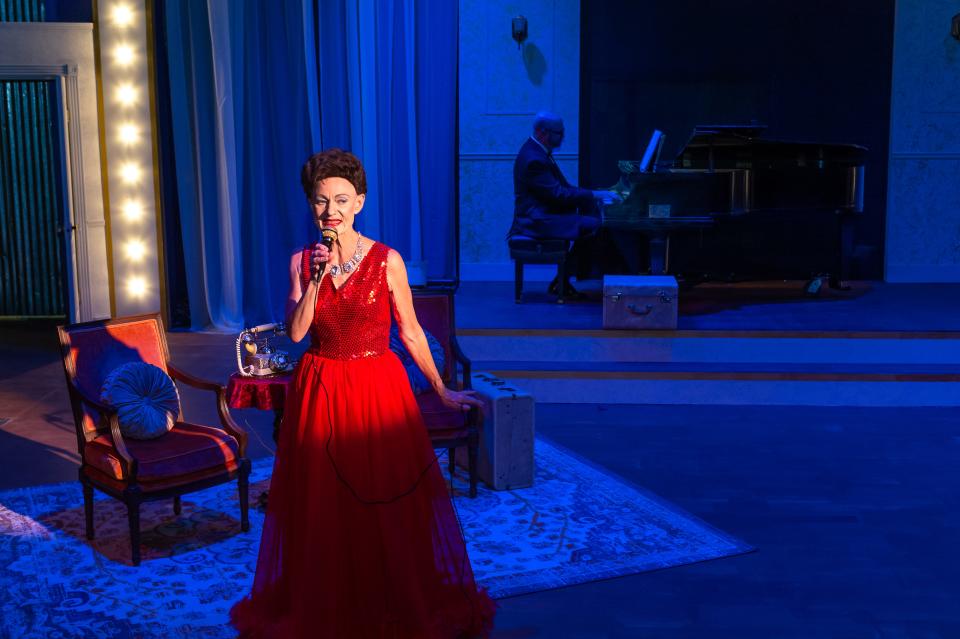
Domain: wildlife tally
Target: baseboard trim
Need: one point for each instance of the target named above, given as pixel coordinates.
(706, 376)
(559, 333)
(736, 392)
(503, 272)
(923, 273)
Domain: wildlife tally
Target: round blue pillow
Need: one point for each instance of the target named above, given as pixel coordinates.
(418, 381)
(145, 397)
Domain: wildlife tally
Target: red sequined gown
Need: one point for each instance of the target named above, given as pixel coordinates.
(360, 539)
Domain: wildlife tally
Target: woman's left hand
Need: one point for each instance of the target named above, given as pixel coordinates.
(461, 400)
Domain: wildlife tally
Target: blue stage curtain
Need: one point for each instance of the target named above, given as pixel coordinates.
(437, 24)
(255, 88)
(241, 130)
(388, 73)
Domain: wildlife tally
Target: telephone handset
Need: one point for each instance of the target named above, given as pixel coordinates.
(260, 357)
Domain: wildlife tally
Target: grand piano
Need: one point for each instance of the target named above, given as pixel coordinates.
(736, 205)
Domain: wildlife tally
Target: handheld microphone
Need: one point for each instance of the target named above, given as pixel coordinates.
(328, 235)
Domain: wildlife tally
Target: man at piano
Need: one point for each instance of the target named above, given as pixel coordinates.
(546, 205)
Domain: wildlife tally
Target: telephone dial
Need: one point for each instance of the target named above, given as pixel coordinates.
(256, 356)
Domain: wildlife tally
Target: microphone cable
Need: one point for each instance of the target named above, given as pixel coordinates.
(404, 493)
(380, 502)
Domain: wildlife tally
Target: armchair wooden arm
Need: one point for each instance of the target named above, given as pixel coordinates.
(463, 360)
(108, 414)
(190, 380)
(448, 428)
(223, 410)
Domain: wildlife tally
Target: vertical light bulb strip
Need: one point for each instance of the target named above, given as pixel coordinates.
(128, 136)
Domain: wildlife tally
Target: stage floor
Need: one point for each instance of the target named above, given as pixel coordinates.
(749, 306)
(851, 508)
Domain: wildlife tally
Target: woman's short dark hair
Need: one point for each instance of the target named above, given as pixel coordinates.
(333, 163)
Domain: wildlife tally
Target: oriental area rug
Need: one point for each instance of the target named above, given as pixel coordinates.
(576, 524)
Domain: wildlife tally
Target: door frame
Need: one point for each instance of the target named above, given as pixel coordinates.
(64, 53)
(78, 225)
(74, 217)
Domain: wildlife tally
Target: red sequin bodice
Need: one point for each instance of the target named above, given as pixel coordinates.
(352, 322)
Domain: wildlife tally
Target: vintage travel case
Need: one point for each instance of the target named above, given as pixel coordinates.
(506, 435)
(647, 302)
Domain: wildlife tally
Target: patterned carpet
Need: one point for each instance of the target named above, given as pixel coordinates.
(577, 524)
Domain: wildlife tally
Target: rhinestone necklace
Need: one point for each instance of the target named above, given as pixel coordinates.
(351, 264)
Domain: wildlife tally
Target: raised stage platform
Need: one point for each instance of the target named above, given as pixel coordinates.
(756, 343)
(748, 306)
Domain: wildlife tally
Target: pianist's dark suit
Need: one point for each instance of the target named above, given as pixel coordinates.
(546, 206)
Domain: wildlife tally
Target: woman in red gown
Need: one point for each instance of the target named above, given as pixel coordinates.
(361, 539)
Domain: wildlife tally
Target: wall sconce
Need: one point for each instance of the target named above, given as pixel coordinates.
(518, 30)
(955, 27)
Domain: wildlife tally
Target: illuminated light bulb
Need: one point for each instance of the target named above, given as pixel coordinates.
(131, 173)
(137, 287)
(128, 133)
(135, 250)
(122, 15)
(127, 94)
(123, 54)
(133, 210)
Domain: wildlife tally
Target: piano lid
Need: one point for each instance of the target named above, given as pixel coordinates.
(726, 147)
(752, 130)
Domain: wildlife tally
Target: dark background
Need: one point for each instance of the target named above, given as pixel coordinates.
(812, 70)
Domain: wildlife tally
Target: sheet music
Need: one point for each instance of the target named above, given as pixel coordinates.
(652, 154)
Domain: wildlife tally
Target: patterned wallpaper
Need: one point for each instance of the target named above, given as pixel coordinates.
(923, 208)
(502, 86)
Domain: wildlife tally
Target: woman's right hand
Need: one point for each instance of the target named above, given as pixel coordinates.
(320, 255)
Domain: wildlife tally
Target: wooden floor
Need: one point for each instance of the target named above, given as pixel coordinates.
(853, 510)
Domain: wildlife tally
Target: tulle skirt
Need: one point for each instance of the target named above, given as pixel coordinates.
(361, 539)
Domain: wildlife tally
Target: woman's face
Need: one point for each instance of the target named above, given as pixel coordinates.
(335, 203)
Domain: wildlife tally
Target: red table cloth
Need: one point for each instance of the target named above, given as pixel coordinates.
(265, 393)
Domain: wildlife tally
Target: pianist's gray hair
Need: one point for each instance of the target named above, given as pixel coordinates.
(546, 119)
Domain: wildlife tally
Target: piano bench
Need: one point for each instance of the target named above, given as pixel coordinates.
(527, 250)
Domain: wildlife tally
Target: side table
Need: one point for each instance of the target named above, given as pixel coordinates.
(264, 393)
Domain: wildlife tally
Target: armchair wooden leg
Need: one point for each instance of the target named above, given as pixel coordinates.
(452, 461)
(88, 507)
(132, 498)
(177, 508)
(243, 483)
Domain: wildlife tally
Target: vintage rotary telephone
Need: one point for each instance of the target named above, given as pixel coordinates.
(254, 349)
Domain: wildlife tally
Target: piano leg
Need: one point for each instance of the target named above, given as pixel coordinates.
(841, 271)
(838, 284)
(625, 253)
(659, 243)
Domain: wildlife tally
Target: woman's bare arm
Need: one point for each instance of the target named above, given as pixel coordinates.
(300, 303)
(412, 336)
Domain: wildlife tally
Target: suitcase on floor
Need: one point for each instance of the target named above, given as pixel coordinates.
(646, 302)
(505, 459)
